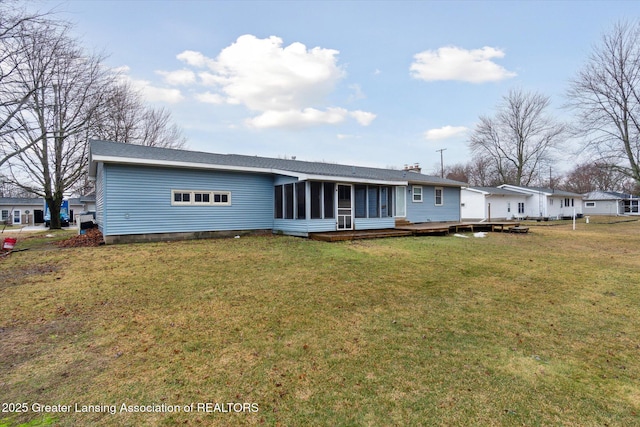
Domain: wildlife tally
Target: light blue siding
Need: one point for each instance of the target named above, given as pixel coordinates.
(427, 210)
(137, 200)
(300, 227)
(100, 184)
(374, 223)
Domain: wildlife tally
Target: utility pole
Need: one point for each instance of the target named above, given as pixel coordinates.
(441, 162)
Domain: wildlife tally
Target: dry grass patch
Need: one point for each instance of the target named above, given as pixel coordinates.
(533, 329)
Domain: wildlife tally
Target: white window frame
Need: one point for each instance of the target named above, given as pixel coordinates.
(5, 214)
(589, 204)
(16, 214)
(416, 191)
(435, 196)
(211, 195)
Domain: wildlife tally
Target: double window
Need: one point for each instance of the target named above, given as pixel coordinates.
(200, 198)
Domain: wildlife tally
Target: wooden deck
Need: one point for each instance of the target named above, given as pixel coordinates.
(335, 236)
(456, 227)
(409, 229)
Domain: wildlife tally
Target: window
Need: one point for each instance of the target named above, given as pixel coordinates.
(205, 198)
(439, 196)
(401, 204)
(278, 211)
(288, 201)
(200, 198)
(361, 201)
(5, 214)
(316, 200)
(417, 193)
(16, 217)
(181, 197)
(386, 206)
(373, 195)
(590, 204)
(521, 208)
(301, 204)
(508, 206)
(329, 195)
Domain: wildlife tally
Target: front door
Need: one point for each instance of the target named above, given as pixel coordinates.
(345, 207)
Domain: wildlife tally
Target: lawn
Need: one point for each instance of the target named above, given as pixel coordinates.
(533, 329)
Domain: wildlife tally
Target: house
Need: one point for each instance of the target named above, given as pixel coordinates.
(30, 211)
(492, 203)
(610, 203)
(21, 210)
(548, 203)
(151, 193)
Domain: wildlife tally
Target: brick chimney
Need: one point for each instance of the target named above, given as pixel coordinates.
(413, 168)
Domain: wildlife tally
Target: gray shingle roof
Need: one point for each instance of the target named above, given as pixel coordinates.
(115, 150)
(607, 195)
(21, 201)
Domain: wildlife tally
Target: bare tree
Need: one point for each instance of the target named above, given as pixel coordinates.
(519, 138)
(593, 176)
(606, 96)
(67, 87)
(15, 27)
(123, 117)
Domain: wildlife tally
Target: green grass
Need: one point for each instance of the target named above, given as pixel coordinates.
(536, 329)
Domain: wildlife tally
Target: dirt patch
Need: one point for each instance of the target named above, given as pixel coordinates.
(16, 277)
(25, 342)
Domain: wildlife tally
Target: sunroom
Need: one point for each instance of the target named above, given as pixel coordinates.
(303, 207)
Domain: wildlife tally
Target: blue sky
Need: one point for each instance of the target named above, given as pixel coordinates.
(369, 83)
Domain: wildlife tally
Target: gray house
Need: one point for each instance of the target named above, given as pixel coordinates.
(610, 203)
(150, 193)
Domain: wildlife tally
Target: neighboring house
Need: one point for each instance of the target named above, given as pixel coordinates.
(610, 203)
(30, 211)
(548, 203)
(492, 203)
(21, 210)
(150, 193)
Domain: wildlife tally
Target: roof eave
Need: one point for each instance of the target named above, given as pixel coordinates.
(208, 166)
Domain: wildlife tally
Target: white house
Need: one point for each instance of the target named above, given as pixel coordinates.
(610, 203)
(29, 211)
(548, 202)
(492, 203)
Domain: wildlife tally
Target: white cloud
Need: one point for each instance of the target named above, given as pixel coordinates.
(179, 77)
(150, 92)
(195, 59)
(158, 94)
(454, 63)
(347, 136)
(210, 98)
(363, 117)
(357, 93)
(444, 132)
(298, 118)
(288, 86)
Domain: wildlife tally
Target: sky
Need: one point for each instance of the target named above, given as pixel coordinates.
(369, 83)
